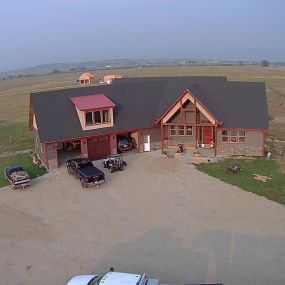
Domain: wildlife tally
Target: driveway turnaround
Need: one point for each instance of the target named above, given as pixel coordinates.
(160, 216)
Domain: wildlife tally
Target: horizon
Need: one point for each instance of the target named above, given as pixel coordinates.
(141, 29)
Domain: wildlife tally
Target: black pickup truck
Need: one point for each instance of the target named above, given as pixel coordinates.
(84, 170)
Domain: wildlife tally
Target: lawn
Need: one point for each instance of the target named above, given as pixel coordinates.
(25, 160)
(273, 189)
(15, 136)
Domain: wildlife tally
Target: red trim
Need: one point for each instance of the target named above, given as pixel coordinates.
(263, 143)
(97, 109)
(241, 129)
(176, 101)
(105, 134)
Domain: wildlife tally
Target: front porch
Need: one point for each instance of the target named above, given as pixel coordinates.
(189, 124)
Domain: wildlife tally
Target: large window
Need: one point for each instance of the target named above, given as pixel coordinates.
(97, 117)
(180, 131)
(233, 136)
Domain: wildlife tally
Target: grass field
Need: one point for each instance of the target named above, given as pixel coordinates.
(14, 97)
(273, 189)
(24, 160)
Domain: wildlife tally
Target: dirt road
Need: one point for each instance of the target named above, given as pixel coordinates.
(159, 216)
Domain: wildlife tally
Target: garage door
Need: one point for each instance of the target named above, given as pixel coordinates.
(99, 147)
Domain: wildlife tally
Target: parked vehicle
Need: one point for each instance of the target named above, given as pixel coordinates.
(84, 170)
(124, 143)
(114, 162)
(17, 176)
(112, 278)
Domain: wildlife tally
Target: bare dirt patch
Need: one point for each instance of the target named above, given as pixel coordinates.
(157, 216)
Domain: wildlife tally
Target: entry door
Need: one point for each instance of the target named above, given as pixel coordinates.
(146, 143)
(207, 135)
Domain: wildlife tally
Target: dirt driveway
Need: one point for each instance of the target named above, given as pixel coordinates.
(159, 216)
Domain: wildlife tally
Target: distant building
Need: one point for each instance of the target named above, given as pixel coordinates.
(110, 77)
(86, 78)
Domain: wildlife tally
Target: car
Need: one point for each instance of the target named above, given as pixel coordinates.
(114, 162)
(111, 278)
(84, 170)
(124, 143)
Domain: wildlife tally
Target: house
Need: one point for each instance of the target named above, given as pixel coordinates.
(228, 117)
(110, 77)
(86, 78)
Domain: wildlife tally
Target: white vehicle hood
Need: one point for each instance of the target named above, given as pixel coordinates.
(80, 280)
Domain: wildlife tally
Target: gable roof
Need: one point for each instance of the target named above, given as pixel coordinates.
(89, 102)
(141, 101)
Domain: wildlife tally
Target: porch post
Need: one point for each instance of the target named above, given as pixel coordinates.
(161, 136)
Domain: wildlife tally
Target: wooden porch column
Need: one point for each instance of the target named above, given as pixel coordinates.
(161, 136)
(216, 132)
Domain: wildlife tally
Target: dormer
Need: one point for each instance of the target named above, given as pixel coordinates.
(94, 111)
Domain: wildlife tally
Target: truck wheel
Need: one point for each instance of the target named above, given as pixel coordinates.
(83, 184)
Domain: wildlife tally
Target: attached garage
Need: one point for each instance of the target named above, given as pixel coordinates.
(98, 147)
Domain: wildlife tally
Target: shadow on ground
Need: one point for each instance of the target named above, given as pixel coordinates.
(214, 256)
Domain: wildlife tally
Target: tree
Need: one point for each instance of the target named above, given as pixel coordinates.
(264, 63)
(56, 71)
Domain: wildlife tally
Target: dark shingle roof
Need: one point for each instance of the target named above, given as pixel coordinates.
(140, 101)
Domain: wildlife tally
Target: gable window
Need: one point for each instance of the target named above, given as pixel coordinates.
(97, 117)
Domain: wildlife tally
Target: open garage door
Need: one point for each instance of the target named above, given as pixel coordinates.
(99, 147)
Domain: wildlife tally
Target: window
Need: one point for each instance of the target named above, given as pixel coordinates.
(225, 136)
(106, 117)
(173, 131)
(234, 137)
(189, 131)
(241, 136)
(181, 130)
(97, 117)
(88, 118)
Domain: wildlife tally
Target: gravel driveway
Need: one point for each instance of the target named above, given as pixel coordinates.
(159, 216)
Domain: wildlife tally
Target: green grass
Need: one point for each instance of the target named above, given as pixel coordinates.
(15, 136)
(25, 161)
(273, 189)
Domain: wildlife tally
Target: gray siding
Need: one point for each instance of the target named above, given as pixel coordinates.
(155, 142)
(253, 145)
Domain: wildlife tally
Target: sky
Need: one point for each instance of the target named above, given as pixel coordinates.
(36, 32)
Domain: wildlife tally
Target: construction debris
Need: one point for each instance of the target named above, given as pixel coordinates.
(262, 178)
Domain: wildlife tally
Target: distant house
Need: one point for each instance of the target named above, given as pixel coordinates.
(110, 77)
(205, 113)
(86, 78)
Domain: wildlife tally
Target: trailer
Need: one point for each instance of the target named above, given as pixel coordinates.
(17, 176)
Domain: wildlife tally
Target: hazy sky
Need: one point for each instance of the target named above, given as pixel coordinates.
(45, 31)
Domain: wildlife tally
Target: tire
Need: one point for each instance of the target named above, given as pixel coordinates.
(68, 170)
(111, 170)
(104, 165)
(83, 184)
(121, 168)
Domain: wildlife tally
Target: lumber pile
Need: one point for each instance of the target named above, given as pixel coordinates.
(262, 178)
